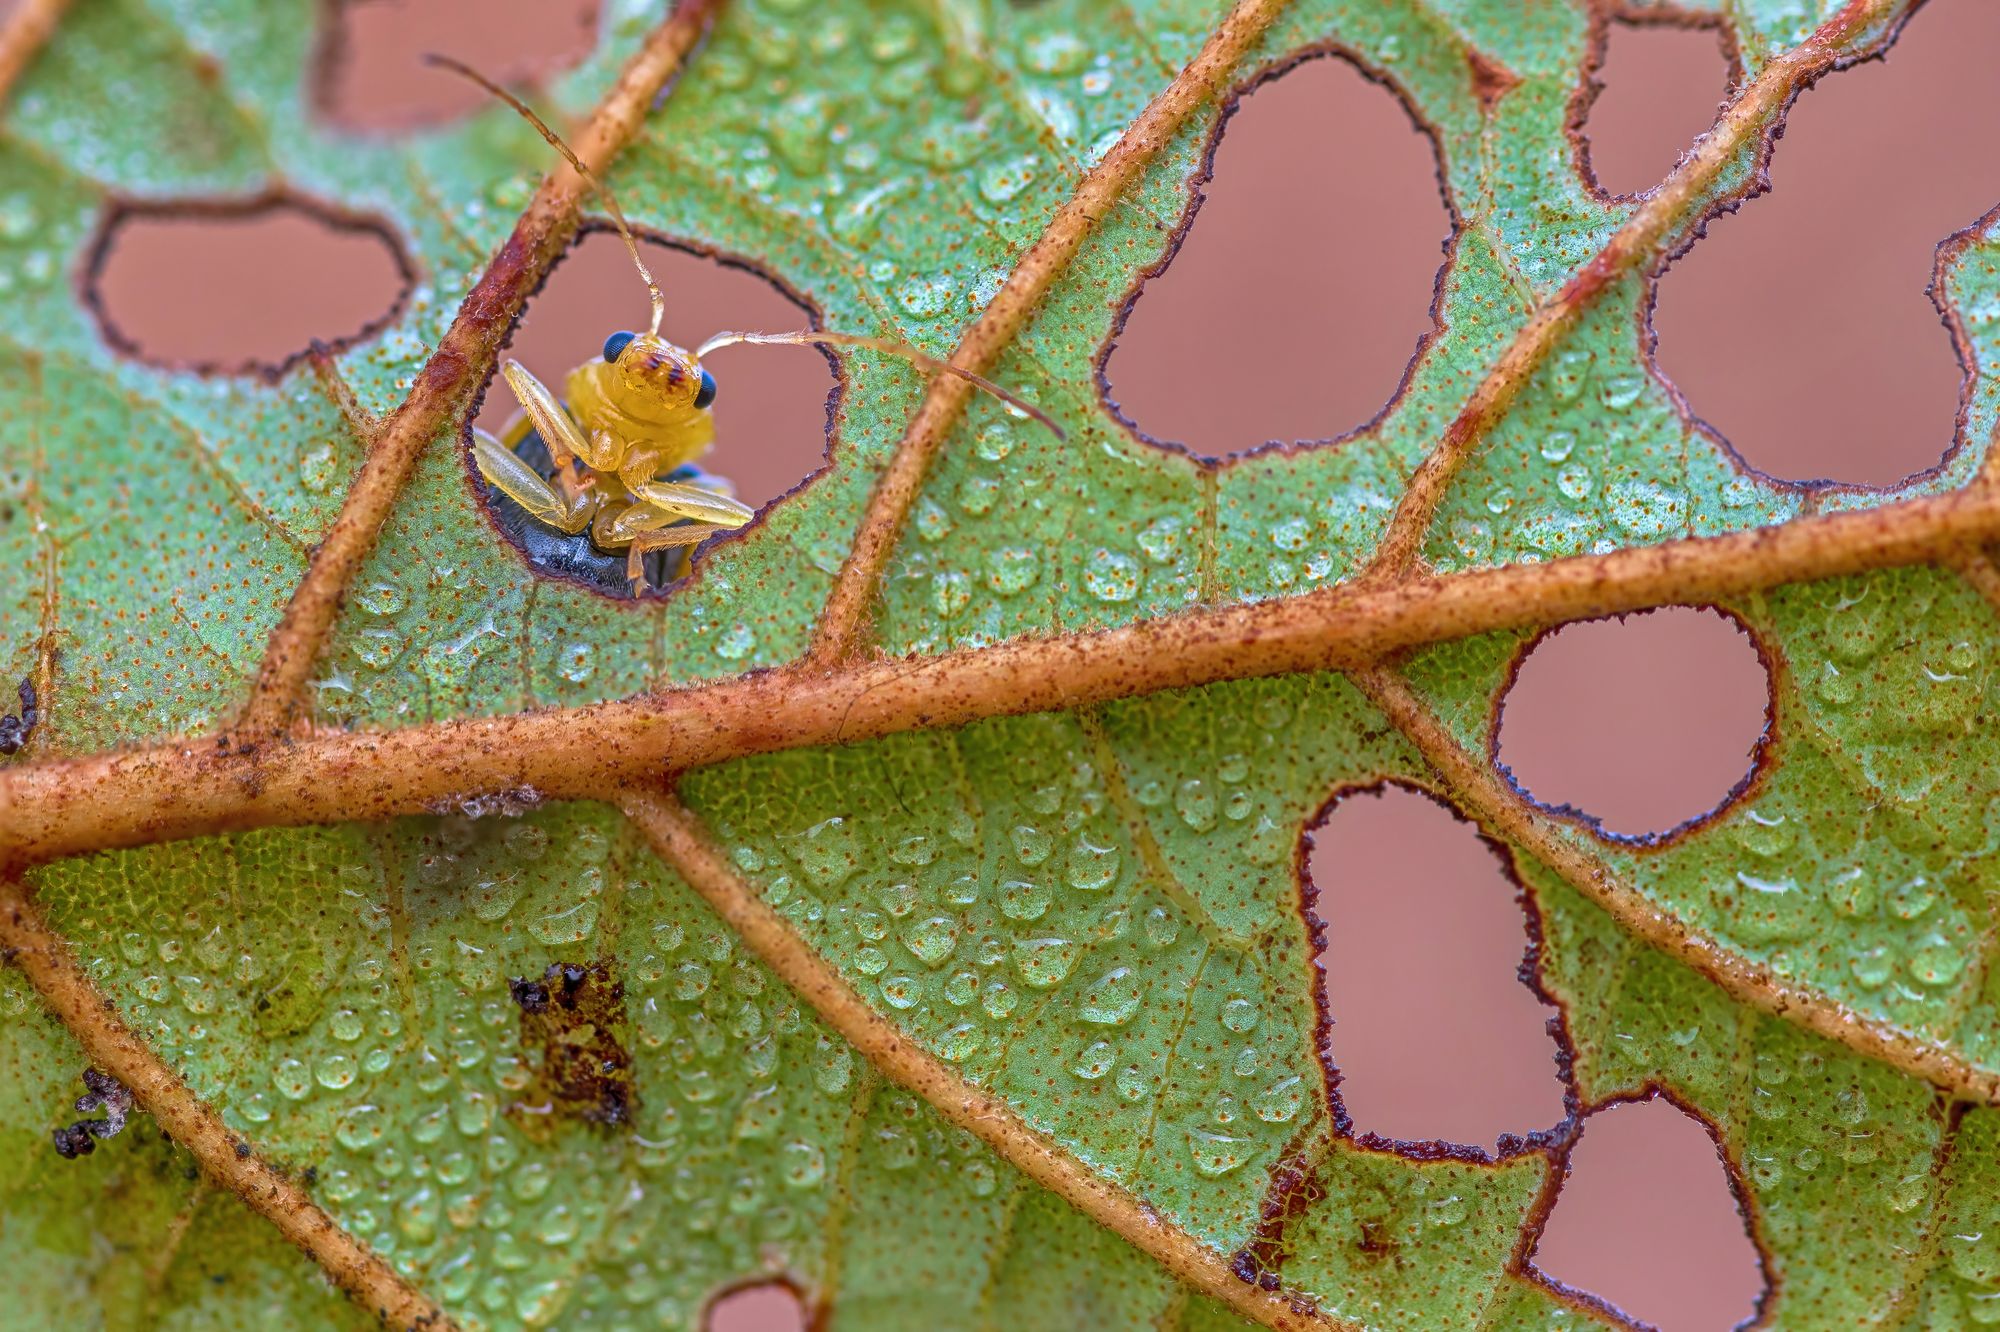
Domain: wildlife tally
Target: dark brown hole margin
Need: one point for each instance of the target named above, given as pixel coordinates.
(122, 212)
(511, 523)
(1484, 76)
(1751, 780)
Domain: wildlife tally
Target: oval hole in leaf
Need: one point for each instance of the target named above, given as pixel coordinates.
(1435, 1036)
(772, 404)
(1640, 724)
(1655, 91)
(234, 287)
(1301, 285)
(369, 71)
(1799, 328)
(768, 1306)
(1648, 1222)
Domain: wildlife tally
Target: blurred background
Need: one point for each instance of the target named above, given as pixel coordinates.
(1304, 285)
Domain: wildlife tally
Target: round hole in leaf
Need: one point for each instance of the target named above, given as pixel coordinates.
(1800, 327)
(1658, 87)
(370, 73)
(1302, 286)
(1434, 1034)
(1647, 1205)
(766, 1306)
(238, 286)
(771, 406)
(1640, 724)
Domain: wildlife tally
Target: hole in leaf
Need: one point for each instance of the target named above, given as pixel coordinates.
(1642, 723)
(1800, 328)
(241, 286)
(1647, 1221)
(1302, 287)
(1424, 949)
(767, 1306)
(1658, 88)
(771, 402)
(371, 74)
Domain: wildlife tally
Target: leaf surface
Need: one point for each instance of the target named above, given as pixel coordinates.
(1093, 916)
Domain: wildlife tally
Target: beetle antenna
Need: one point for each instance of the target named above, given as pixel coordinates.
(589, 176)
(816, 338)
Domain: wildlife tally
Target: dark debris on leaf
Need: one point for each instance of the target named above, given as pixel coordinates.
(107, 1094)
(15, 729)
(573, 1023)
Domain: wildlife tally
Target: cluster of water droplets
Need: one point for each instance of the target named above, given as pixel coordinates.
(1815, 1127)
(1031, 937)
(1591, 458)
(1891, 665)
(980, 566)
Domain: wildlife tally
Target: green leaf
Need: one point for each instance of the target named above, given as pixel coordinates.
(1091, 917)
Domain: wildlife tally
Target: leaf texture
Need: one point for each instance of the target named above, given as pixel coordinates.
(1092, 916)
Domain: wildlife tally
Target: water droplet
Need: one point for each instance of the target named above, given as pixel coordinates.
(736, 642)
(1766, 835)
(1094, 1060)
(999, 1000)
(1132, 1083)
(293, 1079)
(828, 851)
(1022, 900)
(382, 597)
(958, 1042)
(1012, 569)
(1240, 1015)
(1557, 445)
(1280, 1102)
(1215, 1154)
(1111, 576)
(1112, 998)
(335, 1071)
(932, 940)
(1045, 962)
(1571, 372)
(1002, 181)
(1196, 804)
(576, 662)
(804, 1165)
(361, 1128)
(1032, 846)
(1091, 866)
(570, 926)
(1935, 961)
(1162, 928)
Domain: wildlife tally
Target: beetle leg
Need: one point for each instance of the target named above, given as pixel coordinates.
(521, 483)
(552, 420)
(663, 538)
(696, 502)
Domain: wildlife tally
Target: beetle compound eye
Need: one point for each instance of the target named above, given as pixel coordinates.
(616, 343)
(707, 393)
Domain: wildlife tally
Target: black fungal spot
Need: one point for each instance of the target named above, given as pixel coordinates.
(573, 1026)
(106, 1094)
(16, 728)
(531, 995)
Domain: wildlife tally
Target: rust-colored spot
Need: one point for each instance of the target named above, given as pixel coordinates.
(573, 1027)
(1491, 80)
(1295, 1187)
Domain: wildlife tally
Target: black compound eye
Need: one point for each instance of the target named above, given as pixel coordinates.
(617, 343)
(707, 394)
